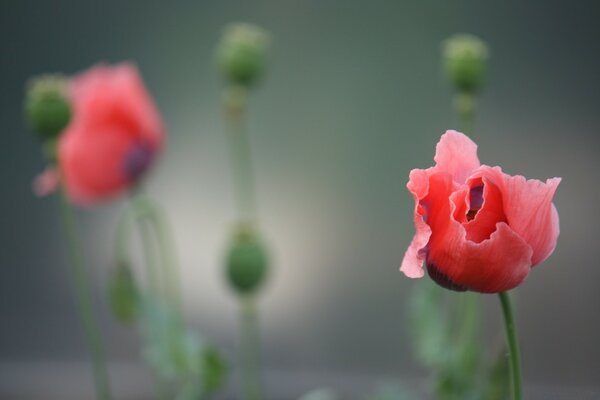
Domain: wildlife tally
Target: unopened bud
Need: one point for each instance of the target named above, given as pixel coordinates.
(47, 106)
(241, 53)
(123, 294)
(247, 261)
(465, 61)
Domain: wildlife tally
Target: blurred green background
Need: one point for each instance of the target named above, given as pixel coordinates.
(354, 98)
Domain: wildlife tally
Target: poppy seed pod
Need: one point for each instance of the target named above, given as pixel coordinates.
(465, 59)
(247, 262)
(47, 107)
(241, 53)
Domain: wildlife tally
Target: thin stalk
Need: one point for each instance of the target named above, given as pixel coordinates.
(151, 218)
(83, 300)
(250, 350)
(513, 345)
(169, 261)
(150, 259)
(464, 104)
(240, 154)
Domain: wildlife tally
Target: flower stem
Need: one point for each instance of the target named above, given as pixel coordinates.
(84, 301)
(464, 103)
(249, 338)
(152, 224)
(234, 104)
(511, 337)
(235, 101)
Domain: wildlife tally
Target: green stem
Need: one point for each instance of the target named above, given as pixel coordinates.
(239, 147)
(464, 103)
(250, 350)
(84, 301)
(166, 250)
(513, 345)
(152, 221)
(150, 258)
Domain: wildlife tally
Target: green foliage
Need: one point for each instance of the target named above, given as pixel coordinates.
(445, 335)
(429, 324)
(185, 367)
(498, 382)
(123, 294)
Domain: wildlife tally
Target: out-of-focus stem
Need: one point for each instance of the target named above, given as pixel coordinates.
(464, 104)
(235, 103)
(152, 222)
(250, 350)
(84, 301)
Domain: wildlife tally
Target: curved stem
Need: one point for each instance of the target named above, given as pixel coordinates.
(84, 301)
(513, 345)
(152, 221)
(152, 268)
(249, 338)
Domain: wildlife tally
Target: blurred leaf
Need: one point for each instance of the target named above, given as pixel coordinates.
(214, 369)
(459, 378)
(498, 382)
(320, 394)
(390, 392)
(445, 330)
(123, 294)
(180, 359)
(429, 324)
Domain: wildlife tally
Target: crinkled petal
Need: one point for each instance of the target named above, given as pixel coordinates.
(93, 166)
(456, 154)
(495, 265)
(491, 212)
(530, 213)
(492, 265)
(412, 263)
(116, 95)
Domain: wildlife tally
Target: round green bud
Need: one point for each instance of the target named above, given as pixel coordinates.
(241, 53)
(247, 262)
(465, 61)
(47, 107)
(123, 293)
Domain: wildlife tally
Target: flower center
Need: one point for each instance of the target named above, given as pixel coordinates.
(475, 202)
(137, 160)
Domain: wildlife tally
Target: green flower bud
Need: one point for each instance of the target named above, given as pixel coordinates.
(465, 61)
(241, 53)
(47, 107)
(123, 294)
(246, 262)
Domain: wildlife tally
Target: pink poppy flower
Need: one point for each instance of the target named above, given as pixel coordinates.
(114, 135)
(478, 228)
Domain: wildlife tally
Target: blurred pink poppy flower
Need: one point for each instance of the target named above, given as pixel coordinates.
(114, 135)
(478, 228)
